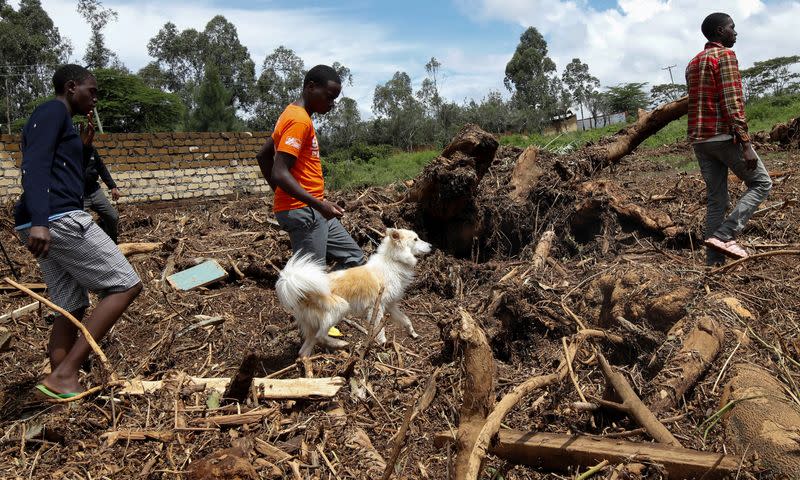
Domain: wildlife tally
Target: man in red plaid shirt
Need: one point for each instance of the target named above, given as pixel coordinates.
(718, 132)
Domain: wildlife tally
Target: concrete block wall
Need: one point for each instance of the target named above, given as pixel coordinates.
(162, 166)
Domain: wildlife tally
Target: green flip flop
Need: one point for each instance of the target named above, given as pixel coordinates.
(51, 394)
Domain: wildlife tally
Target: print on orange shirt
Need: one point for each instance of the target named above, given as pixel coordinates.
(294, 134)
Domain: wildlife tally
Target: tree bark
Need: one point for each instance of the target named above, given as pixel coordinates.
(478, 394)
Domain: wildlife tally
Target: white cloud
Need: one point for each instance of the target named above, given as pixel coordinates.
(636, 40)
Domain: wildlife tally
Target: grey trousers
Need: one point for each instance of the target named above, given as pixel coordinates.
(310, 232)
(109, 217)
(715, 158)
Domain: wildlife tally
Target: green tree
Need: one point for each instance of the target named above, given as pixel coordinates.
(579, 82)
(97, 54)
(598, 104)
(628, 97)
(666, 92)
(400, 117)
(772, 76)
(493, 113)
(530, 74)
(279, 84)
(213, 112)
(30, 48)
(127, 104)
(181, 57)
(342, 126)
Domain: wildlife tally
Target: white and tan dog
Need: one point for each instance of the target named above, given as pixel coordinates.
(319, 300)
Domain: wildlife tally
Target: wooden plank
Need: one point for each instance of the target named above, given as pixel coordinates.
(267, 388)
(557, 452)
(33, 286)
(21, 311)
(198, 276)
(253, 416)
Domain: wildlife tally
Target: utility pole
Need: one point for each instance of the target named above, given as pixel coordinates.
(670, 73)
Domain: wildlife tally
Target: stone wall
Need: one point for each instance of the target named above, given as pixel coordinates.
(162, 166)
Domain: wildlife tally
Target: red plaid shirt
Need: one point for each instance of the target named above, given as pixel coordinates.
(716, 101)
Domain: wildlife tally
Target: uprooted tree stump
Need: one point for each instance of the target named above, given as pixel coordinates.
(446, 190)
(469, 210)
(787, 134)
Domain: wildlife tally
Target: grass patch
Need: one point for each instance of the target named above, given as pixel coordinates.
(762, 114)
(350, 174)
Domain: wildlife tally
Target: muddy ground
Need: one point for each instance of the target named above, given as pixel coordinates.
(602, 266)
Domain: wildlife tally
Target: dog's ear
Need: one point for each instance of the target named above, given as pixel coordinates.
(394, 233)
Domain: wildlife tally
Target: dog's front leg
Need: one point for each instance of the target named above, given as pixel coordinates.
(398, 316)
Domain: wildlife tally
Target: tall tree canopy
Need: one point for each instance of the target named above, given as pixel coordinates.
(530, 74)
(279, 84)
(579, 82)
(213, 112)
(97, 54)
(30, 48)
(181, 58)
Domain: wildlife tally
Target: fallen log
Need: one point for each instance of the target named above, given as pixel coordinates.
(558, 452)
(266, 388)
(683, 370)
(478, 392)
(633, 406)
(129, 249)
(761, 420)
(610, 150)
(542, 250)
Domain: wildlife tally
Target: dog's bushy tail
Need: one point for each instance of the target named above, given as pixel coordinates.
(303, 277)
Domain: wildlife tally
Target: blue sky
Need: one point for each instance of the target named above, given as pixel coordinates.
(620, 40)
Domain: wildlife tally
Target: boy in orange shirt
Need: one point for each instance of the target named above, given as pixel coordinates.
(290, 163)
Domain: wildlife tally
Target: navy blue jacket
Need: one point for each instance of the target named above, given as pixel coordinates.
(52, 166)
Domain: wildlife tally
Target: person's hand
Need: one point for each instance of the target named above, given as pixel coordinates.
(750, 157)
(330, 210)
(39, 241)
(87, 130)
(115, 194)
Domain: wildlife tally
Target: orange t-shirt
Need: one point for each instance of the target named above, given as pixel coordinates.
(294, 134)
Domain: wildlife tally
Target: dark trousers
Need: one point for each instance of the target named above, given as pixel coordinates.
(109, 217)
